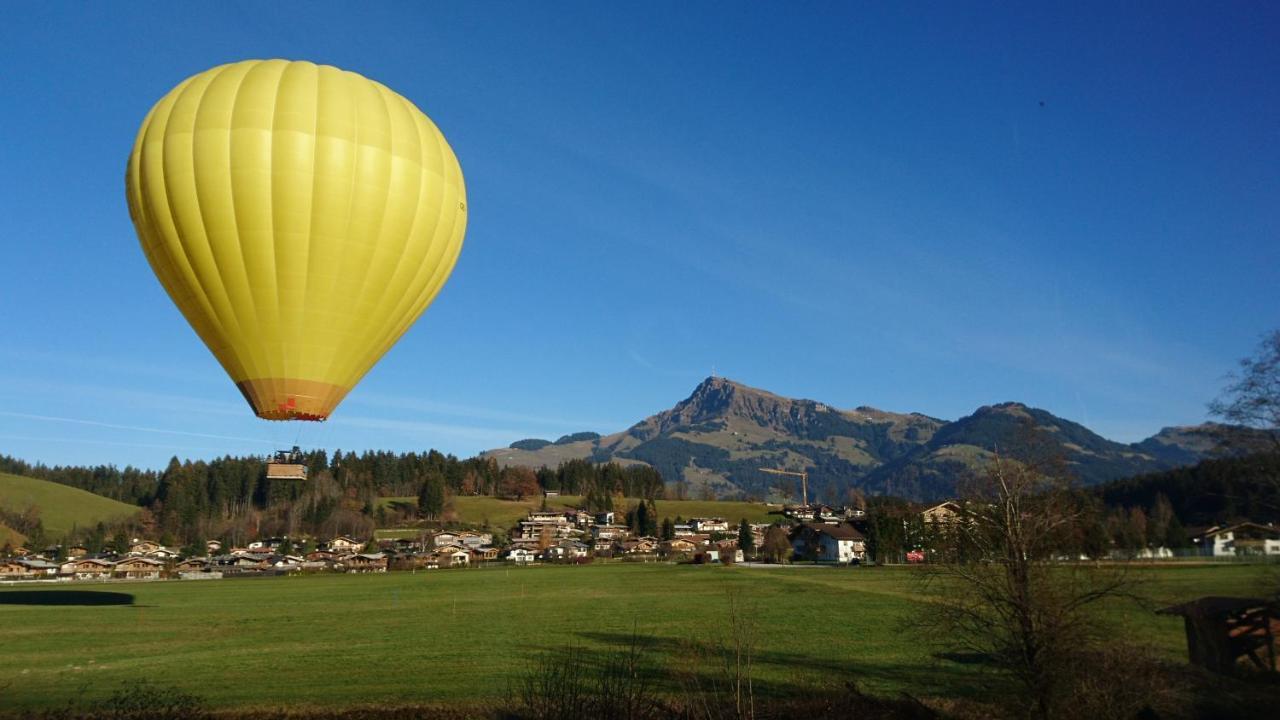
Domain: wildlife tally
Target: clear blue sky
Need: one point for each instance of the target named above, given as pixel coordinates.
(922, 208)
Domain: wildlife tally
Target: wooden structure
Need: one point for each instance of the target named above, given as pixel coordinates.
(1221, 630)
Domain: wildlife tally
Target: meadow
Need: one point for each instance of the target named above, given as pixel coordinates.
(462, 637)
(62, 507)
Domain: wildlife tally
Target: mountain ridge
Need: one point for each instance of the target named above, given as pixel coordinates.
(718, 438)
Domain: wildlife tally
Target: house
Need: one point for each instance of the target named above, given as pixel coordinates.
(12, 570)
(486, 553)
(212, 546)
(942, 513)
(192, 564)
(445, 539)
(682, 529)
(365, 562)
(475, 539)
(642, 546)
(143, 547)
(87, 569)
(1242, 538)
(678, 546)
(455, 556)
(565, 551)
(841, 544)
(344, 544)
(77, 551)
(709, 525)
(39, 568)
(325, 556)
(520, 556)
(609, 532)
(163, 553)
(604, 518)
(138, 568)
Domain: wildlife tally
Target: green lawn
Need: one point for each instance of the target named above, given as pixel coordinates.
(62, 507)
(460, 636)
(491, 511)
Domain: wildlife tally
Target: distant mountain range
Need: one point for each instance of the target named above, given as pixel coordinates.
(720, 437)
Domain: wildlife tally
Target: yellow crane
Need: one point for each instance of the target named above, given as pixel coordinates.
(804, 481)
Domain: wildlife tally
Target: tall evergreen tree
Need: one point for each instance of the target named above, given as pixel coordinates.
(746, 541)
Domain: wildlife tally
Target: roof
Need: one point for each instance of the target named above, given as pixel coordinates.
(837, 532)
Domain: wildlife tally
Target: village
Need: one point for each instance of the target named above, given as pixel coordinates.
(816, 534)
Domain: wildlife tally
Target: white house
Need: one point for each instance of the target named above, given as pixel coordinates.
(520, 555)
(1244, 538)
(709, 525)
(841, 544)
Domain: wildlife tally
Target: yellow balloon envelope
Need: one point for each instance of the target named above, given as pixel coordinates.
(301, 217)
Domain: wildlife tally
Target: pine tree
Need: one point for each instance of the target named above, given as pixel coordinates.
(746, 541)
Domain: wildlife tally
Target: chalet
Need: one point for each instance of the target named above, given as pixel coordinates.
(163, 553)
(682, 529)
(601, 546)
(12, 570)
(456, 556)
(635, 547)
(942, 513)
(486, 553)
(21, 551)
(475, 539)
(192, 564)
(446, 539)
(39, 568)
(87, 569)
(77, 551)
(138, 568)
(1243, 538)
(365, 562)
(678, 546)
(344, 544)
(609, 532)
(520, 556)
(728, 551)
(841, 544)
(212, 546)
(708, 525)
(325, 556)
(568, 550)
(143, 547)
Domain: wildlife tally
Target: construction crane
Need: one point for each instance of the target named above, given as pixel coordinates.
(804, 481)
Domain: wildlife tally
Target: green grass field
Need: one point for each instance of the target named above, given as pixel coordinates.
(62, 507)
(482, 510)
(463, 636)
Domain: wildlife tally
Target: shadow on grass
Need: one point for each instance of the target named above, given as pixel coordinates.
(64, 597)
(928, 677)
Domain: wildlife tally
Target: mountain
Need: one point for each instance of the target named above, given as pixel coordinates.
(725, 432)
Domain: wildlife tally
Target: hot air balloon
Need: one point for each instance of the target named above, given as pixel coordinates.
(301, 217)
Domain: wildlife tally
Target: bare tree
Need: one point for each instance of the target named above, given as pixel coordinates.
(1252, 399)
(1008, 586)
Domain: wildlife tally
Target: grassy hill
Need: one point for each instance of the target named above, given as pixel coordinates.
(494, 512)
(61, 507)
(9, 536)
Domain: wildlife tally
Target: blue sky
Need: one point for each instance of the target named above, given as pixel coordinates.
(920, 207)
